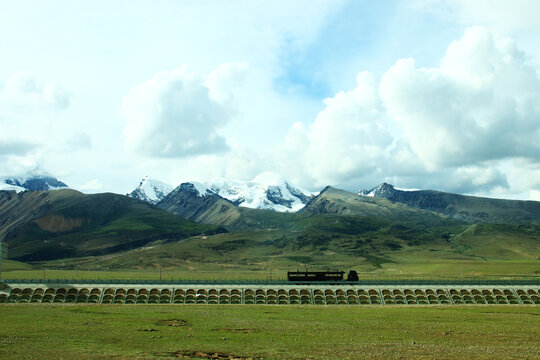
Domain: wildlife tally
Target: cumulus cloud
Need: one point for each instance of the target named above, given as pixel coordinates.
(91, 186)
(346, 138)
(179, 114)
(453, 123)
(504, 14)
(473, 179)
(16, 147)
(482, 103)
(78, 141)
(221, 80)
(24, 90)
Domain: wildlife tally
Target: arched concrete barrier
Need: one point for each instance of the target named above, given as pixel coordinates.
(320, 295)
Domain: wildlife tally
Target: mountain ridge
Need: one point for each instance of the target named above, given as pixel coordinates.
(265, 191)
(150, 190)
(32, 182)
(462, 207)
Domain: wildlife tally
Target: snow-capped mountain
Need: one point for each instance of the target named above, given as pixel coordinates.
(196, 202)
(265, 191)
(151, 190)
(383, 190)
(31, 182)
(196, 188)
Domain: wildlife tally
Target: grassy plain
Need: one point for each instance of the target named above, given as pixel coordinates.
(29, 331)
(403, 267)
(506, 269)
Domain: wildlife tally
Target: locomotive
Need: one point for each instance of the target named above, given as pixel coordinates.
(320, 276)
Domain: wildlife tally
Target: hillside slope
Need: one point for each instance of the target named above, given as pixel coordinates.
(41, 225)
(340, 202)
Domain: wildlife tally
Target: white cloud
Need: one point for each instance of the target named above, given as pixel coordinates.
(516, 18)
(27, 106)
(78, 141)
(23, 91)
(474, 179)
(482, 103)
(92, 186)
(178, 114)
(16, 147)
(346, 138)
(534, 195)
(238, 163)
(15, 165)
(449, 126)
(220, 81)
(508, 15)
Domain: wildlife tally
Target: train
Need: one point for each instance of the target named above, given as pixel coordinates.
(321, 276)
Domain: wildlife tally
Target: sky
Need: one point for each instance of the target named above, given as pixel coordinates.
(431, 94)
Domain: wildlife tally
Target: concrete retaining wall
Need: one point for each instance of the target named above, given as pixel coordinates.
(271, 294)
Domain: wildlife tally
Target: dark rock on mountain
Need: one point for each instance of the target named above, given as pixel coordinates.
(200, 205)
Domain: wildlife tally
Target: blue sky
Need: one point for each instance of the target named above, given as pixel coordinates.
(363, 35)
(424, 93)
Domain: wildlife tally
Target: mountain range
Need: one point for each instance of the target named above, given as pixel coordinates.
(199, 224)
(221, 201)
(31, 182)
(472, 209)
(265, 191)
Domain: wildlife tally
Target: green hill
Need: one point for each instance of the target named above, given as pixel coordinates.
(370, 246)
(41, 225)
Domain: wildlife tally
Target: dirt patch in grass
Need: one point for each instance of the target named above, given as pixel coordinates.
(59, 223)
(11, 339)
(172, 322)
(246, 331)
(207, 355)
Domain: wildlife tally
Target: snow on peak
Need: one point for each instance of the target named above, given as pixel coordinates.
(378, 190)
(268, 179)
(8, 187)
(195, 187)
(264, 191)
(383, 190)
(201, 189)
(406, 189)
(151, 190)
(35, 180)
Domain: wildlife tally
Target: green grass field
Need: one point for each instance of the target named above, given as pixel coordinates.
(269, 332)
(407, 267)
